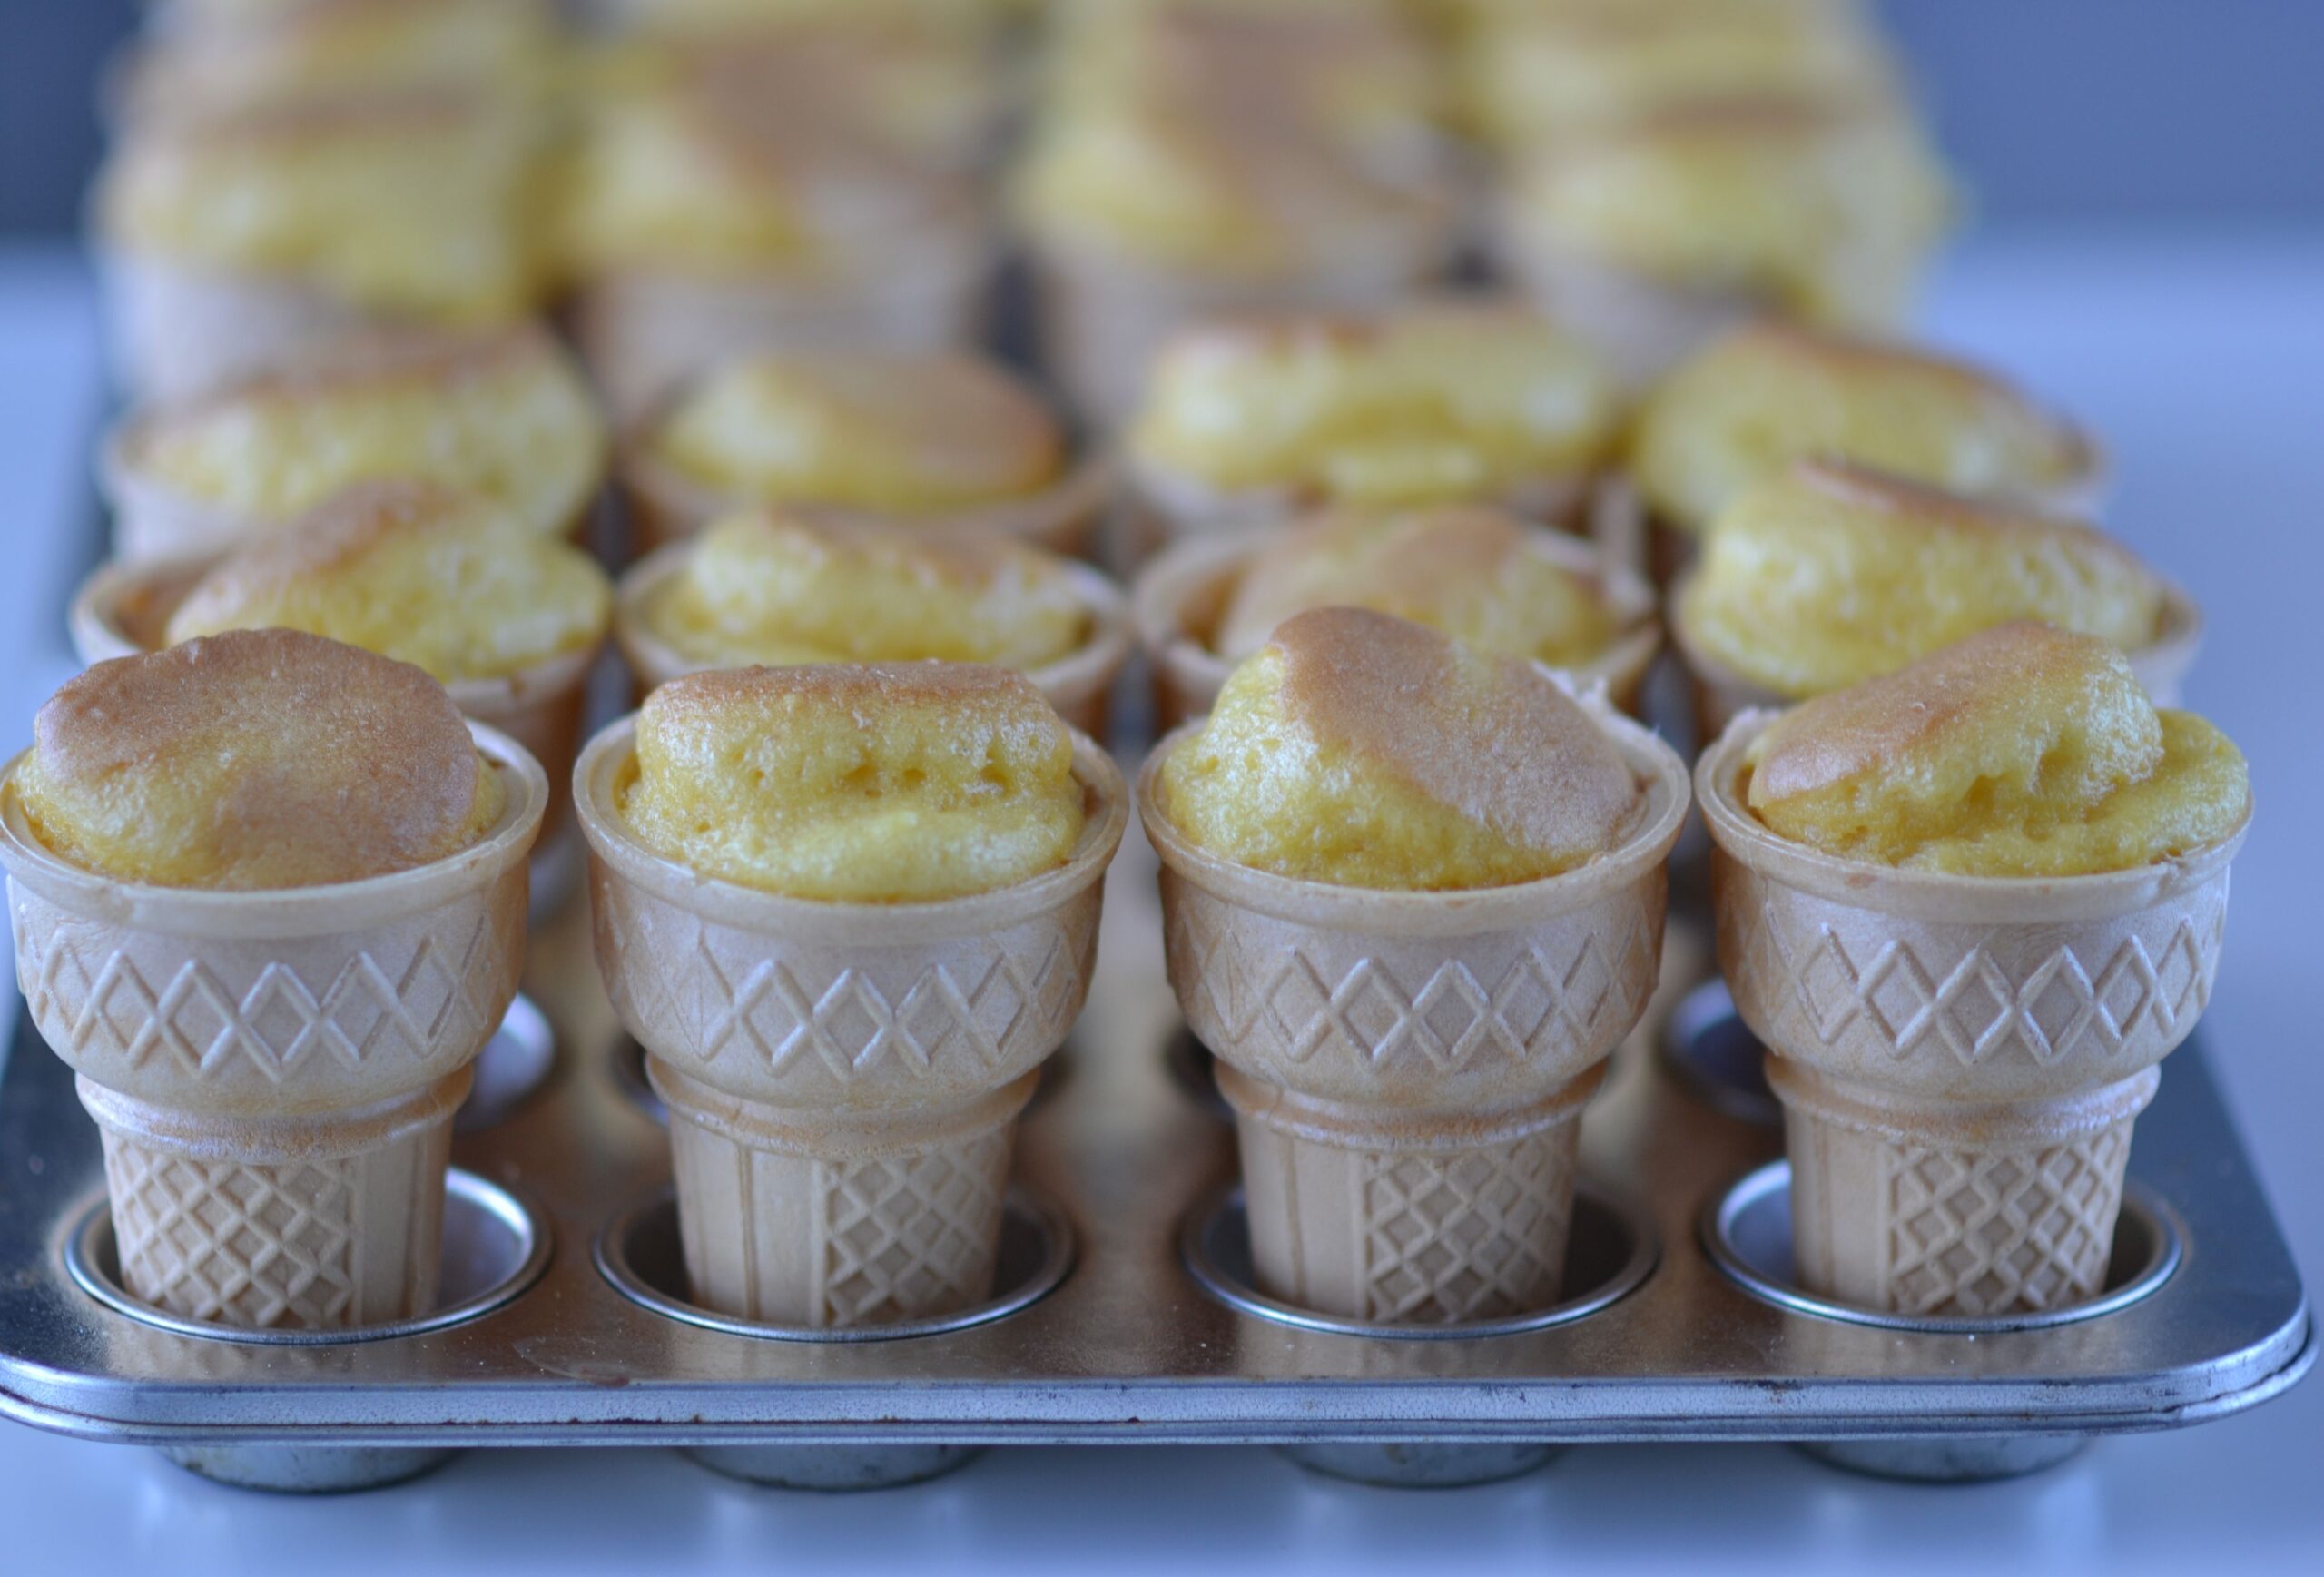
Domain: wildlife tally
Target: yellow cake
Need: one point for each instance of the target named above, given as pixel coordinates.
(1819, 575)
(762, 589)
(1163, 185)
(420, 206)
(690, 163)
(502, 414)
(1530, 74)
(1827, 211)
(1765, 395)
(415, 573)
(1436, 403)
(261, 759)
(2022, 750)
(886, 432)
(885, 784)
(1361, 750)
(1470, 573)
(343, 48)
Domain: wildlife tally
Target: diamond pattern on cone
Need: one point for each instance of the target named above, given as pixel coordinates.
(242, 1245)
(913, 1234)
(1472, 1235)
(1996, 1233)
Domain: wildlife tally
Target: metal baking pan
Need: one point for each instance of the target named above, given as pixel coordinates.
(1124, 1312)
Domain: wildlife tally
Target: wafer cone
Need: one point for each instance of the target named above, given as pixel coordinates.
(181, 331)
(1079, 684)
(644, 335)
(842, 1067)
(124, 608)
(1722, 695)
(275, 1071)
(1407, 1068)
(666, 508)
(1960, 1057)
(1178, 599)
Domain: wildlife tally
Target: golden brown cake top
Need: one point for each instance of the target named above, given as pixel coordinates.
(504, 414)
(2021, 751)
(1359, 749)
(1827, 211)
(1477, 575)
(1436, 402)
(415, 572)
(875, 783)
(1821, 574)
(760, 588)
(1763, 396)
(260, 759)
(892, 432)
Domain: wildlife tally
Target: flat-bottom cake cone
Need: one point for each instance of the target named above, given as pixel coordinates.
(1408, 1066)
(1400, 1217)
(1960, 1057)
(181, 331)
(317, 1222)
(644, 335)
(1927, 1206)
(842, 1077)
(803, 1218)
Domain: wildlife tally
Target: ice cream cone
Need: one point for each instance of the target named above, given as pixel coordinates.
(1960, 1057)
(645, 334)
(861, 1063)
(125, 607)
(1407, 1066)
(1079, 684)
(275, 1071)
(666, 508)
(1722, 695)
(180, 331)
(1178, 598)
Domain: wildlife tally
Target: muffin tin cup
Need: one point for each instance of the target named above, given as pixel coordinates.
(1721, 695)
(1960, 1057)
(1179, 596)
(1079, 684)
(124, 608)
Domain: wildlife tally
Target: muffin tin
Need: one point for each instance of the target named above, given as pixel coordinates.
(1125, 1311)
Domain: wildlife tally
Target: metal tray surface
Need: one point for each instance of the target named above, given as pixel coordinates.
(1129, 1345)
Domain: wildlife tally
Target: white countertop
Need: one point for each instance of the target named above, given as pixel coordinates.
(2202, 363)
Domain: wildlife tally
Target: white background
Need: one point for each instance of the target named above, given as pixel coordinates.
(2203, 366)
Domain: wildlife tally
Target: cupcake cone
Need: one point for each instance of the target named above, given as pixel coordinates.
(861, 1061)
(1960, 1057)
(643, 334)
(180, 331)
(1178, 598)
(1407, 1218)
(275, 1071)
(1722, 695)
(833, 1221)
(124, 608)
(1428, 1048)
(666, 508)
(1079, 684)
